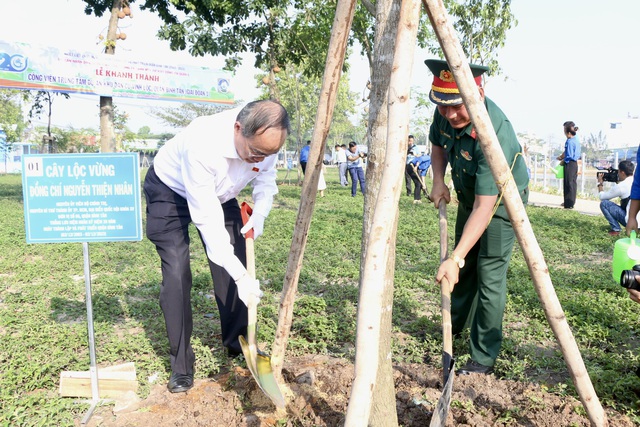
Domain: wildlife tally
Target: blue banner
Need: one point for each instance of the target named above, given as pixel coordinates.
(81, 197)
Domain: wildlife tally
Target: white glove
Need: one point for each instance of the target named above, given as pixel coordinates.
(248, 286)
(256, 221)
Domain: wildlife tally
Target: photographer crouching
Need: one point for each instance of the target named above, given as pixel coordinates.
(623, 178)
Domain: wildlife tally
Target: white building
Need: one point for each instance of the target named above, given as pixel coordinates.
(11, 160)
(624, 133)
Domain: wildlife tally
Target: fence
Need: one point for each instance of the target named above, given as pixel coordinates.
(542, 175)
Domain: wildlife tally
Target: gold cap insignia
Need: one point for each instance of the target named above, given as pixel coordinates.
(446, 76)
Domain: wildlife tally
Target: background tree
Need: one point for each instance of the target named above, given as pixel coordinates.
(594, 147)
(421, 117)
(299, 95)
(144, 132)
(41, 103)
(122, 133)
(11, 117)
(482, 27)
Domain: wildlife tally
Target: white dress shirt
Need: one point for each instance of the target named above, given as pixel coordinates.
(621, 189)
(201, 164)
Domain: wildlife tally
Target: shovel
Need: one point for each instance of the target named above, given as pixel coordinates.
(259, 363)
(439, 416)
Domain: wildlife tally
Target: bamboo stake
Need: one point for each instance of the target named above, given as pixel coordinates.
(375, 261)
(345, 10)
(513, 203)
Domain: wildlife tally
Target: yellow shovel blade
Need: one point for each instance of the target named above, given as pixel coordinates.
(259, 365)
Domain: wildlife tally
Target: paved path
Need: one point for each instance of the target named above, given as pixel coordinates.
(585, 206)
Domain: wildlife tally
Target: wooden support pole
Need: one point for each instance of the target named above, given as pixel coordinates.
(345, 10)
(513, 203)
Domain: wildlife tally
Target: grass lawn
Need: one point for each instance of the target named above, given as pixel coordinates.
(43, 328)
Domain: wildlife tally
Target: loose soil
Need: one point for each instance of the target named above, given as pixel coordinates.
(320, 388)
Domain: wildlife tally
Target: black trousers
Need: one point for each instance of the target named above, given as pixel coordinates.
(168, 220)
(570, 184)
(407, 178)
(417, 191)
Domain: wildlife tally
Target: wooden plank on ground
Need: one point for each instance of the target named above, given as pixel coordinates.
(112, 381)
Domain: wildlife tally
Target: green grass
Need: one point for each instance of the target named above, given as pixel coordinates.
(43, 327)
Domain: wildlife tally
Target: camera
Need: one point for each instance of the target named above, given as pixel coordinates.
(363, 154)
(611, 175)
(628, 278)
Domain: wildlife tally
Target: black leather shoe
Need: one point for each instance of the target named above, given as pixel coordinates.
(233, 353)
(179, 383)
(473, 367)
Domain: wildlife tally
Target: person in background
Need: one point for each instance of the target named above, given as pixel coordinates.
(408, 171)
(476, 269)
(632, 218)
(354, 165)
(569, 158)
(341, 161)
(614, 213)
(419, 167)
(196, 177)
(346, 172)
(322, 184)
(304, 156)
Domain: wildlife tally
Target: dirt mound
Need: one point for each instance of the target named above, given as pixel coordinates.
(319, 393)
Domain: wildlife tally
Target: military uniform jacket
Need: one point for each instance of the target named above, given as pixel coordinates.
(469, 168)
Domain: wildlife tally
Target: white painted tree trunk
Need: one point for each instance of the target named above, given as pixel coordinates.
(373, 278)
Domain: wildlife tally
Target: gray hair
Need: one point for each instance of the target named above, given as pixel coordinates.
(258, 116)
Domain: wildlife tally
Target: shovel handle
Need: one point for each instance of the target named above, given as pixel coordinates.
(445, 294)
(245, 213)
(252, 305)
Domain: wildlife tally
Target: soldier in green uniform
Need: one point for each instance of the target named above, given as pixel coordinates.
(484, 237)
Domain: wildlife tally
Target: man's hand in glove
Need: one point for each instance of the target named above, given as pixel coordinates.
(248, 286)
(256, 221)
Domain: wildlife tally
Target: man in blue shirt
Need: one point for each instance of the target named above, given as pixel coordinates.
(632, 220)
(304, 156)
(419, 166)
(411, 154)
(570, 158)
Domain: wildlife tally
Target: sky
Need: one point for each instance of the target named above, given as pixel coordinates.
(572, 60)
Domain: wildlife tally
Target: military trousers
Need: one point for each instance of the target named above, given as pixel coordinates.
(478, 299)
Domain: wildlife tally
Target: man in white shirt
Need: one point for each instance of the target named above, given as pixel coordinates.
(614, 213)
(196, 177)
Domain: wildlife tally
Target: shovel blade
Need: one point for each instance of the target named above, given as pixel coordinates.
(447, 366)
(259, 365)
(267, 381)
(439, 417)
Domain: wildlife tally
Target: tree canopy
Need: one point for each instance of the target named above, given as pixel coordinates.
(292, 32)
(299, 95)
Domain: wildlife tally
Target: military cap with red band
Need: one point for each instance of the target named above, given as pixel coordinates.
(444, 90)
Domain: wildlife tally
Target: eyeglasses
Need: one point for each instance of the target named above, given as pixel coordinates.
(256, 153)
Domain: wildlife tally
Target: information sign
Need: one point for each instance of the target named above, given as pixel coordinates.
(81, 197)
